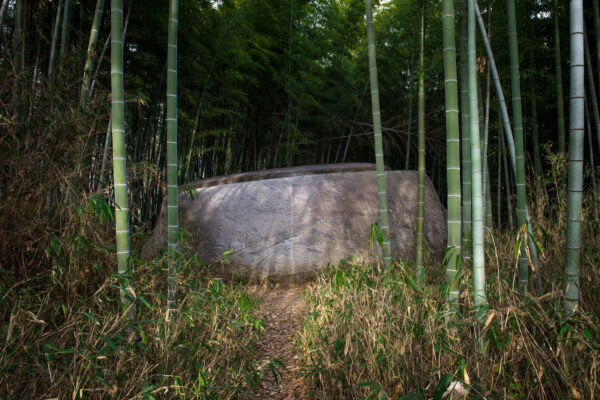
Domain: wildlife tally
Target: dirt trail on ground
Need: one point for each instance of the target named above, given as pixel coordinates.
(283, 311)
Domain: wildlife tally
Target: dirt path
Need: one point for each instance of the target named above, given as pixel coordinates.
(283, 311)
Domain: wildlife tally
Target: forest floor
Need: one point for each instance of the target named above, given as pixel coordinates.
(283, 310)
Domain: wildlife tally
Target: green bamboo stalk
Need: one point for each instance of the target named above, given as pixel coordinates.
(588, 126)
(3, 10)
(18, 66)
(409, 128)
(518, 138)
(591, 85)
(419, 270)
(354, 120)
(188, 159)
(597, 31)
(466, 136)
(575, 174)
(18, 43)
(511, 223)
(499, 186)
(485, 173)
(489, 220)
(477, 200)
(54, 39)
(452, 155)
(410, 110)
(560, 105)
(119, 156)
(107, 142)
(172, 202)
(104, 50)
(91, 53)
(537, 162)
(499, 92)
(381, 185)
(486, 130)
(509, 138)
(64, 37)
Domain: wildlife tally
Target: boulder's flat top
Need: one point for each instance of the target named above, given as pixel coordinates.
(275, 173)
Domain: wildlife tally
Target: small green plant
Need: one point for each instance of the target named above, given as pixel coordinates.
(375, 335)
(66, 328)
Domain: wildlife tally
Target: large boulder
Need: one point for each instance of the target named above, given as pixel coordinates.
(287, 228)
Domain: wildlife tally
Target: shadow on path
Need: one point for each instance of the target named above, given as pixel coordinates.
(283, 311)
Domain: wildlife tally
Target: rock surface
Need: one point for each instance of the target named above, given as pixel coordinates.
(287, 228)
(280, 173)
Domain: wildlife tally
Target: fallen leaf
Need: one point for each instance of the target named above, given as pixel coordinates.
(575, 393)
(347, 346)
(466, 378)
(397, 390)
(455, 391)
(489, 319)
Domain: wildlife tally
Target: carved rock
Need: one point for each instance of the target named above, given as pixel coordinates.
(287, 228)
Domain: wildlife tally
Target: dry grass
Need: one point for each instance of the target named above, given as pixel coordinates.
(88, 349)
(65, 335)
(375, 335)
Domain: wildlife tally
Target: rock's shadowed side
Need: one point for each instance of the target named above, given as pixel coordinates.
(287, 228)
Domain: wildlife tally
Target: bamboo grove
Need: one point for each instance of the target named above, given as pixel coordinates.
(200, 88)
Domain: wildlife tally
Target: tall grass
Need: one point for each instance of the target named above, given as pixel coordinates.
(63, 333)
(375, 335)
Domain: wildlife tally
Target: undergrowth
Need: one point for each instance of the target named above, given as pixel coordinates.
(65, 335)
(375, 335)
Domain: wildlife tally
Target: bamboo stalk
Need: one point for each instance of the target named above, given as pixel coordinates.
(419, 270)
(452, 155)
(466, 137)
(91, 52)
(560, 105)
(479, 295)
(172, 171)
(575, 174)
(381, 184)
(120, 157)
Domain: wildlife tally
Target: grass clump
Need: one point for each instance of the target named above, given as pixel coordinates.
(375, 335)
(65, 335)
